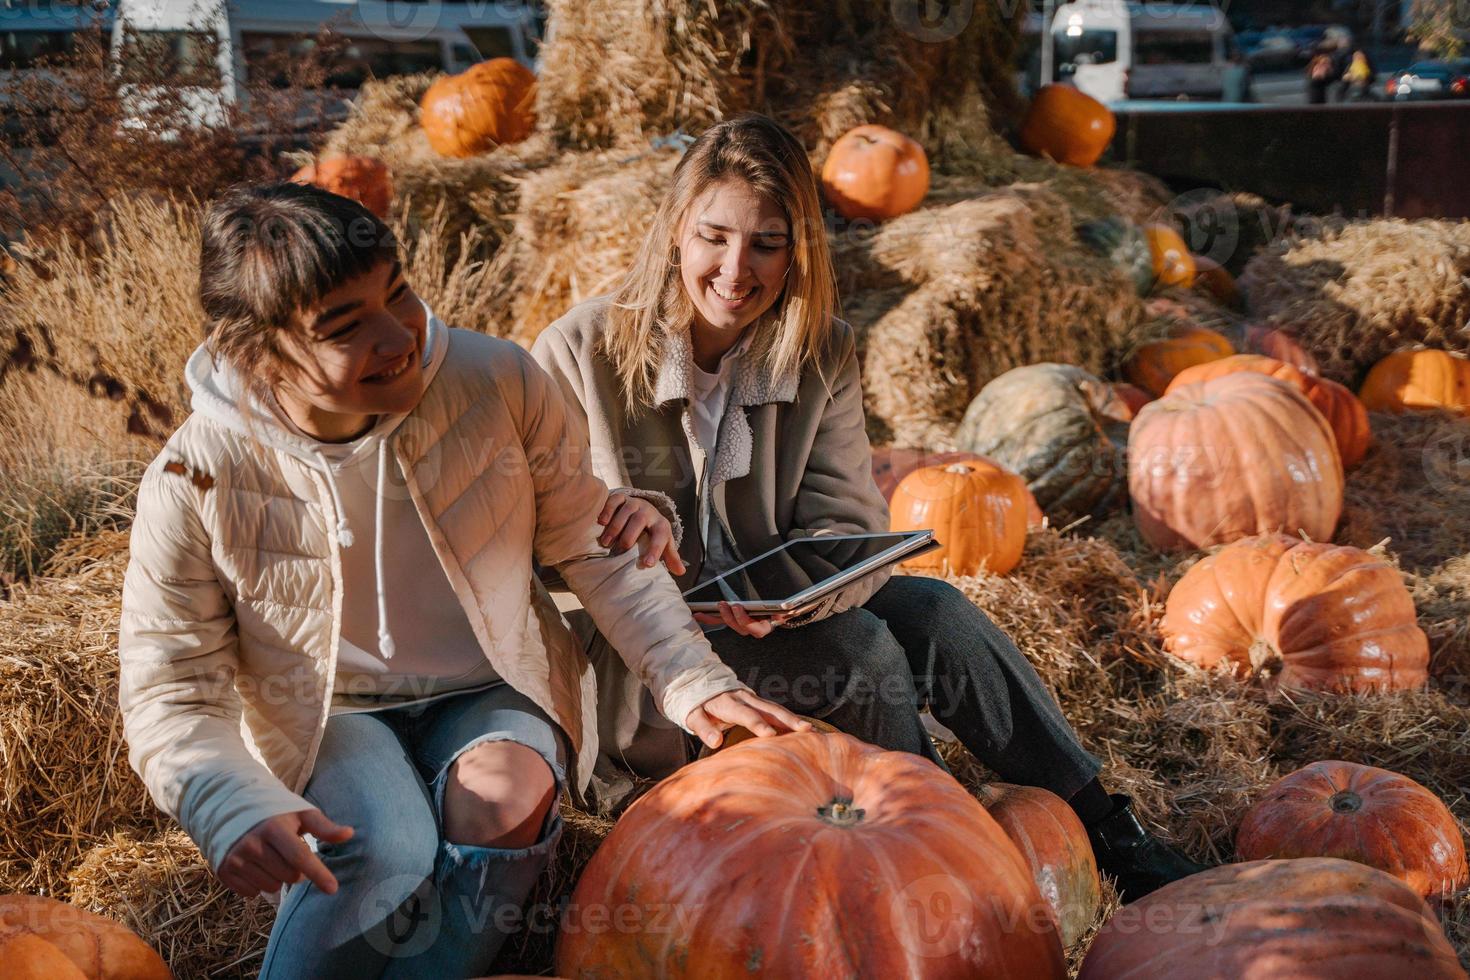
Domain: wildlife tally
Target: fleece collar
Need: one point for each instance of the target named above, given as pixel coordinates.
(751, 385)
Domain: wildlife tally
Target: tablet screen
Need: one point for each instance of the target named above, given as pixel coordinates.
(793, 568)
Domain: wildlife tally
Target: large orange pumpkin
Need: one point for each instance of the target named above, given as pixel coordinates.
(1318, 918)
(875, 172)
(1418, 379)
(1068, 126)
(1276, 342)
(364, 179)
(486, 105)
(892, 463)
(26, 956)
(1173, 262)
(1219, 460)
(1054, 843)
(1057, 426)
(785, 857)
(1329, 617)
(1154, 364)
(99, 948)
(1359, 813)
(977, 510)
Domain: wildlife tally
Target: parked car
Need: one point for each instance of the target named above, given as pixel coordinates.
(1268, 50)
(1431, 80)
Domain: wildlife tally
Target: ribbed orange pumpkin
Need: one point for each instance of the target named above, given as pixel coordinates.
(1329, 617)
(1219, 460)
(1215, 281)
(26, 956)
(1318, 918)
(1068, 126)
(100, 948)
(977, 510)
(1360, 813)
(1154, 364)
(1173, 263)
(1418, 379)
(1054, 843)
(1277, 343)
(364, 179)
(875, 172)
(1345, 415)
(1132, 397)
(891, 464)
(785, 856)
(486, 105)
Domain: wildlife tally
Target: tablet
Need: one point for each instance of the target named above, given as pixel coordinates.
(796, 575)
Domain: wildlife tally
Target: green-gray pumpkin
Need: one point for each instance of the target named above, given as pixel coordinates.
(1061, 429)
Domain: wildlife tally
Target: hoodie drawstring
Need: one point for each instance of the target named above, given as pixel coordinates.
(344, 530)
(385, 639)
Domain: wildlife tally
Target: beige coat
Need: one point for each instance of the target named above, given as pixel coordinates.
(232, 599)
(792, 458)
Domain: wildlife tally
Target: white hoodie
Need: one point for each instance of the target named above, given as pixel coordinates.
(405, 636)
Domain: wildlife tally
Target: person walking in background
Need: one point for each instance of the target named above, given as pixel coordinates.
(1358, 77)
(1320, 74)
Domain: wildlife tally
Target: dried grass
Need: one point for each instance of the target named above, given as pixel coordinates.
(1354, 292)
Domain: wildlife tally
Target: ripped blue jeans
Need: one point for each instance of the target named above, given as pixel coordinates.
(409, 903)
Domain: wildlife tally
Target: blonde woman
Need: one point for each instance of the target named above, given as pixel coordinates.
(718, 382)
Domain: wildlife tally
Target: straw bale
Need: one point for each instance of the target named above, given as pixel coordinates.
(159, 886)
(948, 297)
(1227, 227)
(617, 73)
(63, 763)
(1354, 292)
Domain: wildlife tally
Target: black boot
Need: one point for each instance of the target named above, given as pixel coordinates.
(1138, 860)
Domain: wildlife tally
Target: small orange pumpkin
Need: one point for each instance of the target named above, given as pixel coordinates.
(876, 173)
(891, 464)
(1276, 342)
(1068, 126)
(1154, 364)
(1360, 813)
(364, 179)
(1173, 263)
(1328, 617)
(1052, 839)
(1418, 379)
(486, 105)
(977, 510)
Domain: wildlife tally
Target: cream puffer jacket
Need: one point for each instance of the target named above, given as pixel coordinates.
(232, 598)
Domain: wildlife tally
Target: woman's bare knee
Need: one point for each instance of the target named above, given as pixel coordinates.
(498, 795)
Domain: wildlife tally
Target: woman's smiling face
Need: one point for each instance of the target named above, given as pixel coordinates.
(735, 249)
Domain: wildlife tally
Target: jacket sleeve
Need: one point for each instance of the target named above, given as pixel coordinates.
(638, 610)
(837, 494)
(178, 657)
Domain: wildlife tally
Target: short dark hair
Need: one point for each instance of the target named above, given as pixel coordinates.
(268, 251)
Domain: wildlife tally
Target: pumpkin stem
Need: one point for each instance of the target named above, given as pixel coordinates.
(841, 813)
(959, 468)
(1345, 801)
(1263, 656)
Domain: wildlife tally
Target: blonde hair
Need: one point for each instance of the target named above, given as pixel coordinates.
(650, 302)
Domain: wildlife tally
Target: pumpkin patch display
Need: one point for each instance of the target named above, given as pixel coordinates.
(1156, 363)
(1325, 617)
(1219, 460)
(1322, 918)
(1276, 342)
(487, 105)
(98, 948)
(364, 179)
(1418, 379)
(784, 856)
(1061, 429)
(1051, 838)
(876, 173)
(977, 510)
(1359, 813)
(1068, 126)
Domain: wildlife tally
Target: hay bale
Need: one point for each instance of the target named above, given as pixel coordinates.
(64, 779)
(948, 297)
(1355, 292)
(614, 73)
(1227, 227)
(159, 886)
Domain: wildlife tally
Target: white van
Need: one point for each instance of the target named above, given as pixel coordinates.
(218, 48)
(1115, 50)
